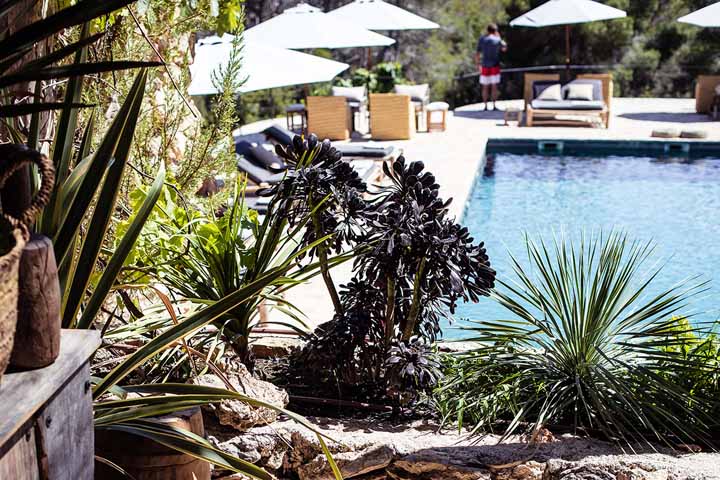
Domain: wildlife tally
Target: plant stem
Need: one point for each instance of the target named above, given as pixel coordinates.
(322, 255)
(415, 306)
(390, 313)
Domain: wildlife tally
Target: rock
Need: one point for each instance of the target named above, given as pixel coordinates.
(238, 414)
(351, 464)
(438, 464)
(263, 446)
(525, 471)
(274, 347)
(603, 470)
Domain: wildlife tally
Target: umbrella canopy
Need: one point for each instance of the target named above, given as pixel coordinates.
(380, 15)
(567, 12)
(263, 66)
(705, 17)
(306, 27)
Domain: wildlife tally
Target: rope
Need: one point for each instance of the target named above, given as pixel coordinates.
(18, 157)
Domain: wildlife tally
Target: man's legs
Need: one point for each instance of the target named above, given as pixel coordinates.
(495, 94)
(485, 94)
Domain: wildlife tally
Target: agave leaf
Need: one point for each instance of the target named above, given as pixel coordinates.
(83, 11)
(188, 443)
(74, 70)
(191, 324)
(114, 265)
(20, 109)
(99, 222)
(76, 212)
(59, 54)
(63, 147)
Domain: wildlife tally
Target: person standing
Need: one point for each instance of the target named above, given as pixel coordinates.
(487, 59)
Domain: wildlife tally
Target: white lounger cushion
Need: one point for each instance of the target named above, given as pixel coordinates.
(568, 105)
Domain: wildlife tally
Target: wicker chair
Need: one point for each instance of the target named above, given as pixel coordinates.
(329, 117)
(392, 116)
(705, 92)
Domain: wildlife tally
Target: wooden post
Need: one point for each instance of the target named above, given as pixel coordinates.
(37, 336)
(567, 52)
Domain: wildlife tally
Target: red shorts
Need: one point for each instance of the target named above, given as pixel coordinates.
(489, 75)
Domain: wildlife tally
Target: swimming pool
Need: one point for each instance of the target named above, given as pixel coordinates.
(674, 202)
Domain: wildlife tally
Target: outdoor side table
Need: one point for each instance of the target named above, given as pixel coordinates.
(513, 115)
(436, 116)
(294, 112)
(46, 421)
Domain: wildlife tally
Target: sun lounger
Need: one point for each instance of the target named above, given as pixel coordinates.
(256, 174)
(278, 134)
(560, 108)
(282, 136)
(260, 156)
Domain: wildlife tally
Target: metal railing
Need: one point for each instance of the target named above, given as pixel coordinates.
(628, 81)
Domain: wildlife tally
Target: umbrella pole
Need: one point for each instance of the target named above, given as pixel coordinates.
(369, 63)
(567, 51)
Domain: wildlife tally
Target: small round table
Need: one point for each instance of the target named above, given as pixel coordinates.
(293, 112)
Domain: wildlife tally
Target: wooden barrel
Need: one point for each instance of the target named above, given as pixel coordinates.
(146, 459)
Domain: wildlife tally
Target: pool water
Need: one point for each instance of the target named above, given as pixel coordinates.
(674, 202)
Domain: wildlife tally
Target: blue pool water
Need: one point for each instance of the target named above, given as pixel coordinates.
(675, 203)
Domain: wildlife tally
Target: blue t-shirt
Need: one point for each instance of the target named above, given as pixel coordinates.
(490, 46)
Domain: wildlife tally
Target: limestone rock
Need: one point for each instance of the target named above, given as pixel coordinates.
(238, 414)
(351, 464)
(439, 464)
(525, 471)
(274, 347)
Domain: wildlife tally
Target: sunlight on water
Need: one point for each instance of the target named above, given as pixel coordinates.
(675, 202)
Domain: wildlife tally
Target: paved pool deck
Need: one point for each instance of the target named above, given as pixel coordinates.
(454, 156)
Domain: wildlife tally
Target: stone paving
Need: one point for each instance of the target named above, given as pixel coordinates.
(453, 156)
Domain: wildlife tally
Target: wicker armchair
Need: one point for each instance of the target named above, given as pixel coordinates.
(392, 116)
(705, 92)
(329, 117)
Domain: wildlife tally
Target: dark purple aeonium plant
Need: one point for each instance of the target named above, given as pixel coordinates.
(412, 264)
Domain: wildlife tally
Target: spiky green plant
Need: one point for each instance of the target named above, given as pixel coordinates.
(586, 347)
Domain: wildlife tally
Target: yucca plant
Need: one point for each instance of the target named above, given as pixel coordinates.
(586, 346)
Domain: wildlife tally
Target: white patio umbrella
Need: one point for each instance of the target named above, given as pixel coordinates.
(306, 27)
(263, 66)
(381, 16)
(567, 13)
(705, 17)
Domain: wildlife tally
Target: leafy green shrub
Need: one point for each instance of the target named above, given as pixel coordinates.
(586, 347)
(388, 74)
(700, 350)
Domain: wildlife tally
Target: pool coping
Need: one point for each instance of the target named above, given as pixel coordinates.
(681, 147)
